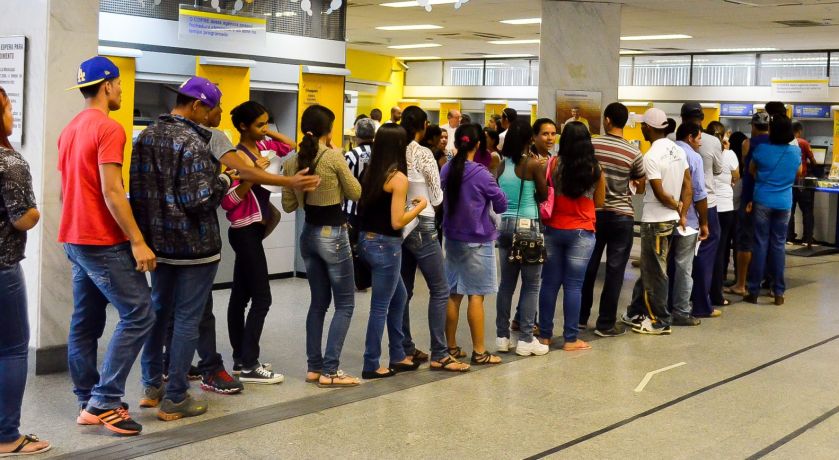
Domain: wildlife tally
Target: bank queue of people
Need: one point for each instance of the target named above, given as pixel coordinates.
(474, 225)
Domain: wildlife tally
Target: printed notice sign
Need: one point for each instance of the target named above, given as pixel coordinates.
(800, 89)
(12, 59)
(204, 24)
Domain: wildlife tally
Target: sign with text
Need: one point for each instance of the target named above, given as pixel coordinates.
(206, 24)
(12, 59)
(736, 110)
(811, 111)
(800, 89)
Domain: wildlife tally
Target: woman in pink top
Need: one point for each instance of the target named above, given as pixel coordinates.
(579, 188)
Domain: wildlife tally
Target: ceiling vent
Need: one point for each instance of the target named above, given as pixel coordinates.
(366, 43)
(805, 23)
(473, 35)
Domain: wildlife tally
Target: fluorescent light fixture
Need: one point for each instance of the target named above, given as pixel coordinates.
(419, 58)
(655, 37)
(494, 101)
(515, 42)
(520, 22)
(447, 101)
(739, 50)
(522, 55)
(414, 46)
(413, 3)
(281, 14)
(412, 27)
(533, 102)
(631, 52)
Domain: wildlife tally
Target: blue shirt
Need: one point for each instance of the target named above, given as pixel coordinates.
(697, 182)
(748, 181)
(777, 166)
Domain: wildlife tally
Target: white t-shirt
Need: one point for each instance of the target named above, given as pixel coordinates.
(501, 138)
(450, 145)
(711, 153)
(722, 183)
(666, 161)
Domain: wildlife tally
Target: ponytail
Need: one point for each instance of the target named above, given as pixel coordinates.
(466, 138)
(315, 123)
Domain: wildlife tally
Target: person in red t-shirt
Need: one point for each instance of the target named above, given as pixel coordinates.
(106, 249)
(802, 197)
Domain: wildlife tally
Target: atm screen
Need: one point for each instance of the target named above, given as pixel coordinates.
(820, 153)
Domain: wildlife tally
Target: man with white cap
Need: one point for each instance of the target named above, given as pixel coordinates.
(669, 188)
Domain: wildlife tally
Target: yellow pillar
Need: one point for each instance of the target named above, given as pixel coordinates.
(834, 169)
(402, 105)
(445, 107)
(235, 86)
(493, 109)
(534, 113)
(711, 114)
(125, 115)
(632, 131)
(325, 90)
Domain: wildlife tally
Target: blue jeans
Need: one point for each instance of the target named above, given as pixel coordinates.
(680, 274)
(14, 346)
(530, 284)
(569, 252)
(384, 255)
(650, 294)
(768, 254)
(102, 275)
(179, 292)
(703, 267)
(329, 269)
(421, 249)
(615, 236)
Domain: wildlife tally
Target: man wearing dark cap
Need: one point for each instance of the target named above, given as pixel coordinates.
(176, 186)
(703, 264)
(745, 223)
(106, 248)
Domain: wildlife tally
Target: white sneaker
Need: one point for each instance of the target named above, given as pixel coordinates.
(502, 344)
(631, 321)
(261, 375)
(646, 327)
(533, 348)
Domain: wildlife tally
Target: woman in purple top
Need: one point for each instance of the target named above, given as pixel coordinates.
(470, 193)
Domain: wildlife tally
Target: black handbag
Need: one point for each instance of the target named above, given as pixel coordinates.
(528, 248)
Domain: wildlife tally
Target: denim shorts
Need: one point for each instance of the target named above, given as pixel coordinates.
(471, 268)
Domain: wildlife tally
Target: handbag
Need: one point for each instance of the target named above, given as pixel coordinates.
(528, 247)
(362, 274)
(546, 208)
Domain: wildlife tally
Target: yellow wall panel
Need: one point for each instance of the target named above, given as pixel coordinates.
(633, 133)
(381, 69)
(444, 110)
(711, 114)
(125, 115)
(534, 113)
(325, 90)
(492, 109)
(235, 86)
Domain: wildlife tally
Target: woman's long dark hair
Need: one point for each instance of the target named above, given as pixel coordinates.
(735, 142)
(413, 120)
(315, 123)
(4, 99)
(578, 170)
(466, 138)
(518, 138)
(430, 133)
(388, 157)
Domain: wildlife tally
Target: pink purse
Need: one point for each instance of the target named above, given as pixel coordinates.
(546, 208)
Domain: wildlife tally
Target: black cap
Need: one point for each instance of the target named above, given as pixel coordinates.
(692, 110)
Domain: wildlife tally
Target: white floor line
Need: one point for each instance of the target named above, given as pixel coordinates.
(650, 375)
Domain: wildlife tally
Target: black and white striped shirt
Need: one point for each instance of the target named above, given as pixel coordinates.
(357, 160)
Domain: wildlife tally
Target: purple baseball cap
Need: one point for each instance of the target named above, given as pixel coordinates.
(202, 89)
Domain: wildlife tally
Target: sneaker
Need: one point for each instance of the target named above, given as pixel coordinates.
(189, 407)
(631, 320)
(117, 420)
(615, 331)
(82, 421)
(192, 374)
(647, 327)
(260, 375)
(534, 347)
(152, 396)
(237, 367)
(221, 382)
(502, 344)
(686, 321)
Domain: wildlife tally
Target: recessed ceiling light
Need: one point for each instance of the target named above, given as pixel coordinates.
(519, 22)
(523, 55)
(631, 52)
(413, 3)
(656, 37)
(734, 50)
(285, 14)
(416, 45)
(418, 58)
(515, 42)
(412, 27)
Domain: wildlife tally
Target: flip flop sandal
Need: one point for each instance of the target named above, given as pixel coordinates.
(446, 362)
(457, 353)
(729, 290)
(333, 384)
(314, 380)
(27, 439)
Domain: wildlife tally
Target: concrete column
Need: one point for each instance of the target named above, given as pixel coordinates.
(580, 51)
(60, 34)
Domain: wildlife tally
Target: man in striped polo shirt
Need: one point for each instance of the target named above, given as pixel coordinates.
(357, 159)
(622, 163)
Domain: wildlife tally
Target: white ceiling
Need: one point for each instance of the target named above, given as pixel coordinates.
(712, 23)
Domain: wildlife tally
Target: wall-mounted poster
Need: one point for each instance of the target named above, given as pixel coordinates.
(12, 76)
(582, 106)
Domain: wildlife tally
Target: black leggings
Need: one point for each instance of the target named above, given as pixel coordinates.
(727, 222)
(250, 283)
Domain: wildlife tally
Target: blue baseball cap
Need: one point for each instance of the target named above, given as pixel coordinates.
(95, 70)
(202, 89)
